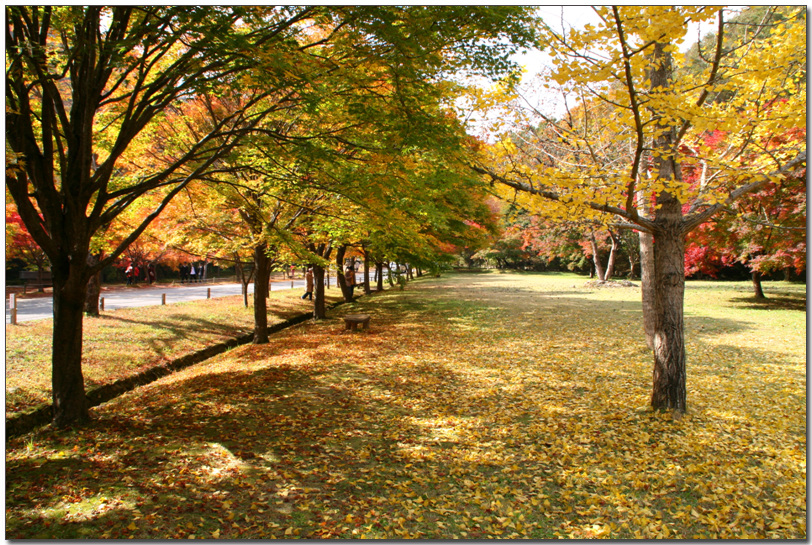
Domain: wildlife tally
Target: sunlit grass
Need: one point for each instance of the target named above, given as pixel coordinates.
(475, 407)
(123, 342)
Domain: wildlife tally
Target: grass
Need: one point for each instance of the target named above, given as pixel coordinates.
(123, 342)
(476, 406)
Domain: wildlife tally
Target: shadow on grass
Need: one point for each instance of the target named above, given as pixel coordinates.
(331, 443)
(773, 302)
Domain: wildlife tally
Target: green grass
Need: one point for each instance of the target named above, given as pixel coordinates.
(476, 406)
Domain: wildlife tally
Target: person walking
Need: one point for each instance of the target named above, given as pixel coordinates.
(129, 274)
(308, 294)
(192, 273)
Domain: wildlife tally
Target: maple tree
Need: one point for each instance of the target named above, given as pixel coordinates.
(21, 245)
(620, 151)
(84, 86)
(766, 232)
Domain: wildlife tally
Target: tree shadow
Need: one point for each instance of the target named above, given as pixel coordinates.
(784, 301)
(336, 421)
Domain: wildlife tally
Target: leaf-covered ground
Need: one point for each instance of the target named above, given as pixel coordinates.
(475, 406)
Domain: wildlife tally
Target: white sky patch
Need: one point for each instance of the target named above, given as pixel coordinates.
(535, 63)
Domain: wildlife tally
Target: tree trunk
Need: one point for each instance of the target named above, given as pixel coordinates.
(41, 279)
(758, 292)
(367, 289)
(379, 275)
(668, 392)
(647, 285)
(610, 266)
(346, 291)
(319, 307)
(596, 259)
(262, 273)
(93, 289)
(68, 386)
(243, 279)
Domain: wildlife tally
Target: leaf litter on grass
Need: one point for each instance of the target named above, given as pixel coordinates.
(475, 406)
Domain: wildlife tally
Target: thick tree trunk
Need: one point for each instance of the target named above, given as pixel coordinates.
(757, 290)
(319, 307)
(669, 391)
(262, 273)
(68, 386)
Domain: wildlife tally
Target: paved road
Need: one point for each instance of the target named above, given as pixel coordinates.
(39, 308)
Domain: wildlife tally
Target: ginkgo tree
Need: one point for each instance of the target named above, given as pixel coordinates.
(620, 150)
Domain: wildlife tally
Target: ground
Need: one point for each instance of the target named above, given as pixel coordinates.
(476, 406)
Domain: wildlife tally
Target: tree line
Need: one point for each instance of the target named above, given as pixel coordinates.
(281, 132)
(262, 136)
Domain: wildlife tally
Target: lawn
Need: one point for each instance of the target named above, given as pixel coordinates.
(123, 342)
(476, 406)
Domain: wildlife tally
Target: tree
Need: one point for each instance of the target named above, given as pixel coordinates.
(21, 245)
(83, 87)
(766, 232)
(627, 161)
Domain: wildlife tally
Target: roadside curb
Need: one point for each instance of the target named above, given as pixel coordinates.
(24, 423)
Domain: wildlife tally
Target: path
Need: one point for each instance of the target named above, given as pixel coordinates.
(123, 297)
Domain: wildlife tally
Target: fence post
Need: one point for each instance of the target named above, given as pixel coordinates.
(328, 280)
(101, 304)
(208, 293)
(12, 306)
(163, 298)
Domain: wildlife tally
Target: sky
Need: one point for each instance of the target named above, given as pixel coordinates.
(561, 18)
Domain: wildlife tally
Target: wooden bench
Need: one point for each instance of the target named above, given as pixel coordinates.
(351, 321)
(32, 279)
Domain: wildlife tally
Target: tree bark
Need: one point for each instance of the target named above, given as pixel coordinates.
(610, 266)
(596, 259)
(319, 307)
(262, 273)
(668, 392)
(68, 386)
(367, 289)
(379, 275)
(757, 290)
(647, 285)
(342, 283)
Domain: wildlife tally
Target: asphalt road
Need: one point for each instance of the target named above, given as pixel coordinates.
(39, 308)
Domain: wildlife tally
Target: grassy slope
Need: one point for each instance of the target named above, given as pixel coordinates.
(476, 406)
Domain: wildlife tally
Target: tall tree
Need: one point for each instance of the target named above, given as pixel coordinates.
(625, 66)
(83, 84)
